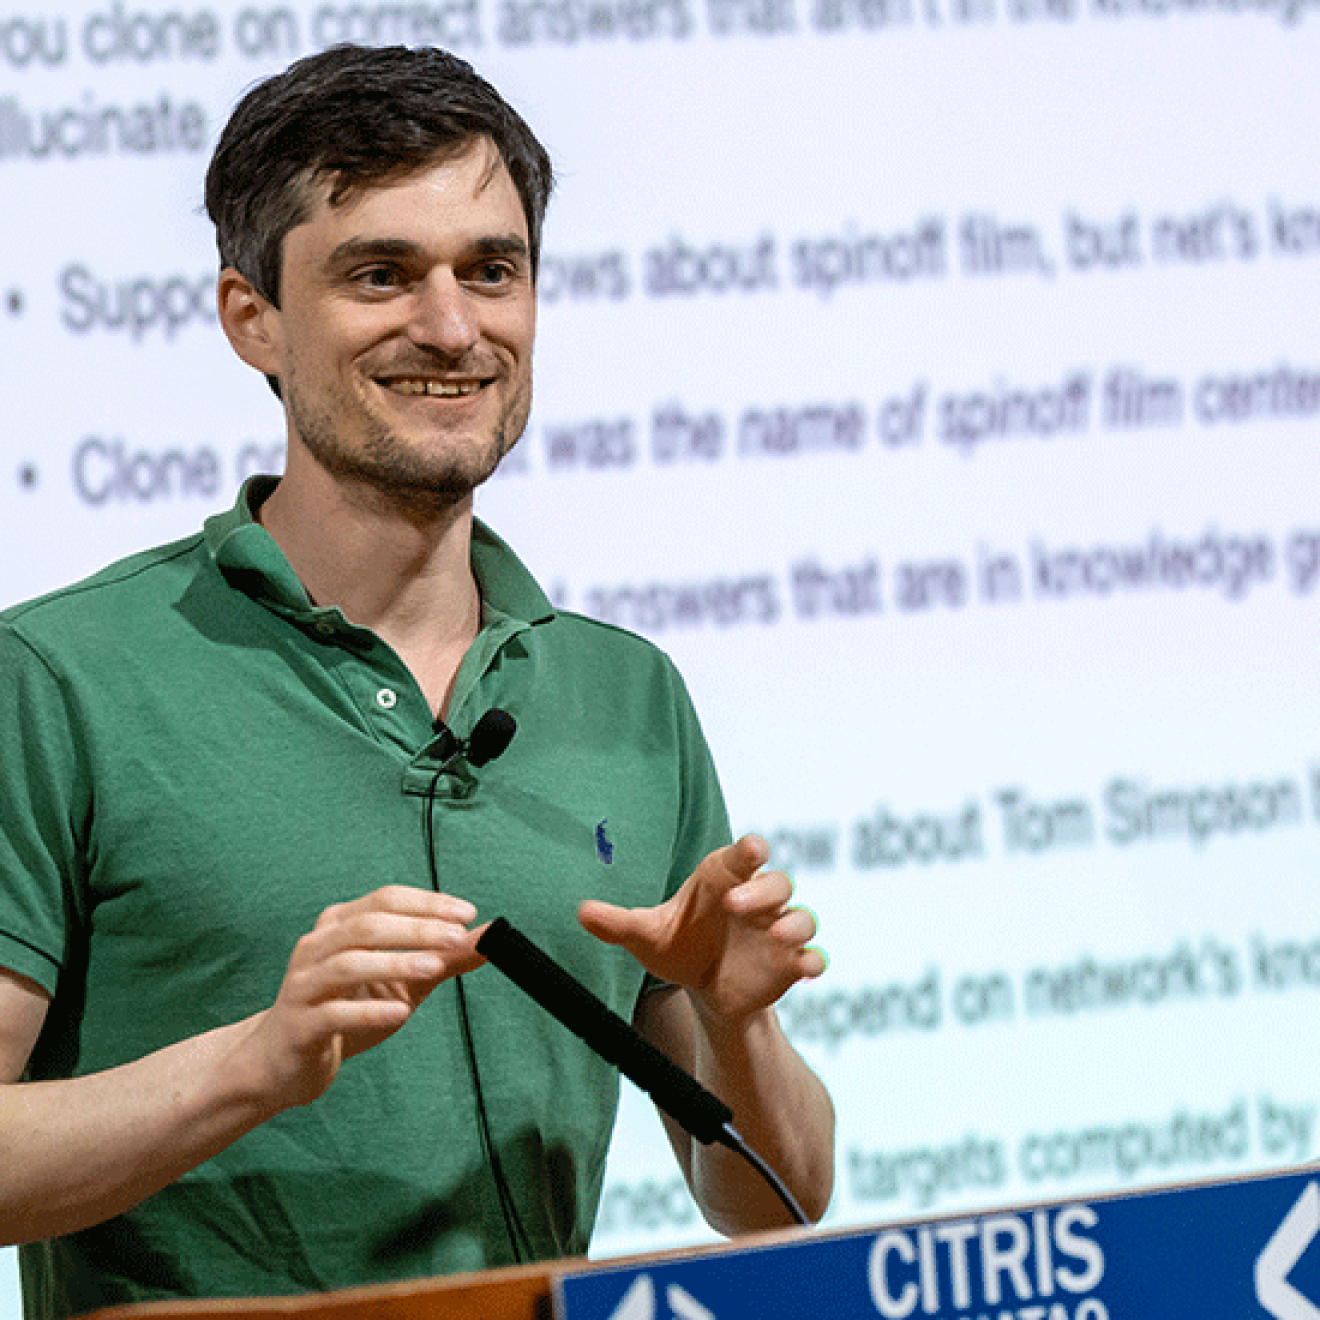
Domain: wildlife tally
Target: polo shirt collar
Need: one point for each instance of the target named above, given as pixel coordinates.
(249, 559)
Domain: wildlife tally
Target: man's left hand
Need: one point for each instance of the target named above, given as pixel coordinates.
(729, 936)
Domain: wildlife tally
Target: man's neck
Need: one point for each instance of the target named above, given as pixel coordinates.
(403, 571)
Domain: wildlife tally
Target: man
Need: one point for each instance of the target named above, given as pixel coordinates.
(247, 1043)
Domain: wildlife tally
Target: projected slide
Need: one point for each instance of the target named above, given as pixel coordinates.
(938, 381)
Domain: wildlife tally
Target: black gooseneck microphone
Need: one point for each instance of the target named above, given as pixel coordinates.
(676, 1091)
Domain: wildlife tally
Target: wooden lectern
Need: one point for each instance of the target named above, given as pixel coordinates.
(517, 1293)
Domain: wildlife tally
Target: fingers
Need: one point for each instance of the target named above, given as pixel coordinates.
(739, 860)
(762, 897)
(730, 931)
(610, 923)
(762, 902)
(628, 928)
(796, 926)
(317, 977)
(353, 980)
(793, 931)
(395, 934)
(812, 964)
(396, 917)
(400, 901)
(762, 905)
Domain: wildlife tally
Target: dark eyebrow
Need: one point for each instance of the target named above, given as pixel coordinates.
(510, 246)
(355, 250)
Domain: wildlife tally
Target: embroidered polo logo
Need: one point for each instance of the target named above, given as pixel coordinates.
(604, 848)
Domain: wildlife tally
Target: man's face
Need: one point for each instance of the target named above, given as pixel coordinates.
(405, 327)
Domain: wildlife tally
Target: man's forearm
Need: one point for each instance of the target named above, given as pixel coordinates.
(74, 1153)
(783, 1112)
(781, 1109)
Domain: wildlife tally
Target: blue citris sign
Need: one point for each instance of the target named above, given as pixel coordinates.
(1234, 1249)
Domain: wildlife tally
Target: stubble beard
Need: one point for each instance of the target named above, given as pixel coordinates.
(407, 475)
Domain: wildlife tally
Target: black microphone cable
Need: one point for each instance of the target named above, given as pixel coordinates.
(492, 734)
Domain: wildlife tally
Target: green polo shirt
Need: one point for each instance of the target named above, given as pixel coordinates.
(194, 762)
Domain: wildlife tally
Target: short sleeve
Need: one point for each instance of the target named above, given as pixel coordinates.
(703, 822)
(40, 788)
(704, 819)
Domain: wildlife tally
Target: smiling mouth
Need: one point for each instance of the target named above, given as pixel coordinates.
(438, 389)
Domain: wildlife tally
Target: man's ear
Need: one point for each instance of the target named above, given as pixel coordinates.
(251, 323)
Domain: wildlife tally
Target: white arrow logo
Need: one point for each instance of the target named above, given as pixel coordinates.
(1282, 1252)
(639, 1303)
(685, 1306)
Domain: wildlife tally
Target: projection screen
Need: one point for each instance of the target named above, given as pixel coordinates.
(933, 379)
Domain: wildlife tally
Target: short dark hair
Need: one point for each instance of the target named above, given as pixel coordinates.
(355, 116)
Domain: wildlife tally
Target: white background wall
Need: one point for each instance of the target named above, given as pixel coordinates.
(938, 381)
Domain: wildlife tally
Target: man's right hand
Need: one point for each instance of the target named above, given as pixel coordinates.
(354, 980)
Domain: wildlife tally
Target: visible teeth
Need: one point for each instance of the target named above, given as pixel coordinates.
(440, 388)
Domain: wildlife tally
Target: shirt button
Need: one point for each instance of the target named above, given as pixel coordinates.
(387, 698)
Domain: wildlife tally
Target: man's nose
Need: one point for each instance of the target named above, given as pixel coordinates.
(444, 317)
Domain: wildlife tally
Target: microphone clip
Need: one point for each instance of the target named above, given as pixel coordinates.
(490, 738)
(450, 747)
